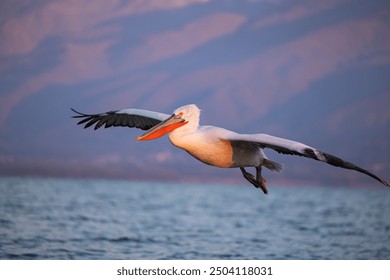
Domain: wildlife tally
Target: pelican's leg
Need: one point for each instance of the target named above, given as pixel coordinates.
(261, 180)
(254, 181)
(249, 177)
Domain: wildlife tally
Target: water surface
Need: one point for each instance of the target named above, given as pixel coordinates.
(101, 219)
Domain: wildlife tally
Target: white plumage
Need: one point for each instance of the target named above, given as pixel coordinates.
(213, 145)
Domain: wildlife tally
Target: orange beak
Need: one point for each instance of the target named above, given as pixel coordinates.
(163, 128)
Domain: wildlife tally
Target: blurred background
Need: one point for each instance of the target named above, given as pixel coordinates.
(312, 71)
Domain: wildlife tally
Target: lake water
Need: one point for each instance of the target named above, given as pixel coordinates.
(102, 219)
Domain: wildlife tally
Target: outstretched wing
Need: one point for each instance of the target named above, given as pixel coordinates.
(290, 147)
(142, 119)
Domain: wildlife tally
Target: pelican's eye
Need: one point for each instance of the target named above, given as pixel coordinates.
(180, 114)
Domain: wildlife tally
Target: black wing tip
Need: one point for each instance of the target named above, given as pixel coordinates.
(386, 184)
(79, 114)
(85, 119)
(115, 118)
(335, 161)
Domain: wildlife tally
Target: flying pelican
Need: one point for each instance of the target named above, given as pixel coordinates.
(214, 145)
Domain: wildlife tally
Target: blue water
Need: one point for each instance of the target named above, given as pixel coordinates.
(98, 219)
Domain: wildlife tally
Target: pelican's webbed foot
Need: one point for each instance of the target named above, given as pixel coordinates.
(258, 182)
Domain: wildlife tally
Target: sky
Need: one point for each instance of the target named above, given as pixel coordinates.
(312, 71)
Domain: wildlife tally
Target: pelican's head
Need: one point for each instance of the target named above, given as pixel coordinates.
(186, 118)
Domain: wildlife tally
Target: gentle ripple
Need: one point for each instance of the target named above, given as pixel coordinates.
(98, 219)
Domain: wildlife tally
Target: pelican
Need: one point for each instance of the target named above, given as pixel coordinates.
(214, 145)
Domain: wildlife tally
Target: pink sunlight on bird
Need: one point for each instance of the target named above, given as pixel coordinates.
(214, 145)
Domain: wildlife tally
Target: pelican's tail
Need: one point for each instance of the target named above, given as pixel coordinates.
(271, 165)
